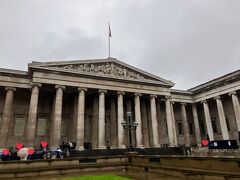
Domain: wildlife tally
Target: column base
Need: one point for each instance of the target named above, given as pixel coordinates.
(156, 146)
(80, 148)
(101, 147)
(173, 145)
(140, 146)
(199, 145)
(121, 147)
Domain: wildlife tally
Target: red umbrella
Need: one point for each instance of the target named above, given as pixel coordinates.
(5, 152)
(19, 146)
(31, 151)
(44, 144)
(205, 142)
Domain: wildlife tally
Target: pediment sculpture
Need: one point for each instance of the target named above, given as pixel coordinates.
(111, 69)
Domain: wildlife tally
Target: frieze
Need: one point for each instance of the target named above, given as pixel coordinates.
(111, 69)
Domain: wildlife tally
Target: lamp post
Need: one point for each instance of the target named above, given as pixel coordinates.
(130, 126)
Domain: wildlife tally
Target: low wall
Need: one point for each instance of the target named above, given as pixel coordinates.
(186, 167)
(131, 165)
(63, 167)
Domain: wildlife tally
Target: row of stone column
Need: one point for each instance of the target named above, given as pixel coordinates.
(221, 115)
(56, 124)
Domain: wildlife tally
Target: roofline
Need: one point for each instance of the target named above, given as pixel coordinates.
(215, 81)
(14, 72)
(35, 64)
(178, 91)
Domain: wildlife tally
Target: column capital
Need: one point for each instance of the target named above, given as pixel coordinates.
(204, 101)
(35, 84)
(121, 92)
(138, 94)
(153, 95)
(82, 89)
(10, 88)
(217, 97)
(102, 91)
(232, 93)
(193, 104)
(167, 97)
(172, 102)
(60, 86)
(183, 103)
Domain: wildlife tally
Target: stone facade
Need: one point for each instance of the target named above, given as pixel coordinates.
(87, 100)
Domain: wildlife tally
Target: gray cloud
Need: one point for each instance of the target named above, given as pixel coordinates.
(188, 42)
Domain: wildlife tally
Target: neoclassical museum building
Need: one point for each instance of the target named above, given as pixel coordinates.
(87, 100)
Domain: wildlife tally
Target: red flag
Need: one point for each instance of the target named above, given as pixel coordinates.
(109, 30)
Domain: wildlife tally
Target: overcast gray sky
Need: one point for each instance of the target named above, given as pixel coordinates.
(186, 41)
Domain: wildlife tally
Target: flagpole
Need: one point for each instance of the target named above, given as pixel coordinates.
(109, 36)
(108, 46)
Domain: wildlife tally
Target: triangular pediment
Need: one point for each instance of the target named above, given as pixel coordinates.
(109, 68)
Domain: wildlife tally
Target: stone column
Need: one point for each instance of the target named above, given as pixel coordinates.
(57, 117)
(208, 120)
(113, 124)
(146, 138)
(101, 120)
(236, 108)
(174, 123)
(138, 119)
(160, 123)
(6, 116)
(32, 116)
(81, 117)
(154, 121)
(120, 120)
(222, 118)
(196, 125)
(169, 122)
(185, 125)
(94, 128)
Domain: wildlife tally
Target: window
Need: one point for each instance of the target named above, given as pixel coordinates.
(180, 129)
(190, 128)
(41, 126)
(228, 125)
(19, 126)
(214, 125)
(202, 126)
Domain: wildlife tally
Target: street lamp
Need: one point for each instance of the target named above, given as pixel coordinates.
(130, 126)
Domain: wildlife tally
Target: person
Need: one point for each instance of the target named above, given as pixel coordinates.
(108, 145)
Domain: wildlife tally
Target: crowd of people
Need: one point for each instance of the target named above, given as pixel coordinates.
(44, 152)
